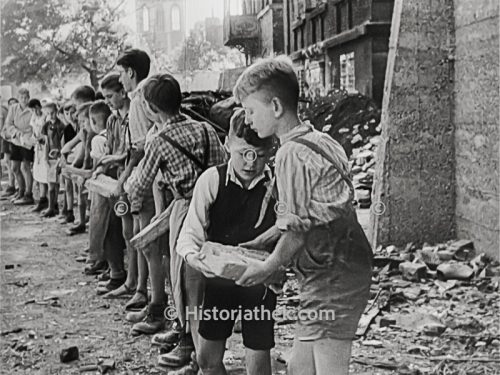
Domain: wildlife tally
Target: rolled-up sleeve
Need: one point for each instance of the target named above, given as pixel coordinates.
(194, 230)
(294, 191)
(143, 175)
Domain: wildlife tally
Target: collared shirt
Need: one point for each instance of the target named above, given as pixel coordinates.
(180, 173)
(54, 132)
(116, 131)
(17, 124)
(194, 230)
(98, 145)
(140, 117)
(36, 123)
(311, 191)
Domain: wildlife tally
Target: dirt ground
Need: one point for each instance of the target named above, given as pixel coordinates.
(48, 304)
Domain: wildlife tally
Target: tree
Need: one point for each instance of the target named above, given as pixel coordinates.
(196, 53)
(46, 40)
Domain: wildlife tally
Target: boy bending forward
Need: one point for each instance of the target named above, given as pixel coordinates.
(232, 204)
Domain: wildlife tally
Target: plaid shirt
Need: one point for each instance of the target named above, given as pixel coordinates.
(179, 172)
(117, 134)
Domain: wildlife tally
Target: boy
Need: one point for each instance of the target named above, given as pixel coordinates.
(81, 95)
(134, 67)
(105, 227)
(67, 214)
(320, 231)
(182, 150)
(53, 132)
(16, 129)
(229, 207)
(40, 172)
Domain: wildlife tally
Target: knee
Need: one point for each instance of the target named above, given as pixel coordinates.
(25, 167)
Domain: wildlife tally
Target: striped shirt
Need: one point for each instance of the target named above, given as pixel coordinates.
(311, 191)
(180, 173)
(140, 117)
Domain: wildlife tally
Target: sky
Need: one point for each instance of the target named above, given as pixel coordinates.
(196, 10)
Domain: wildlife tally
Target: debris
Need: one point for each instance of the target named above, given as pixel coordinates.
(9, 266)
(389, 365)
(106, 366)
(379, 302)
(374, 343)
(412, 293)
(44, 244)
(387, 321)
(69, 354)
(434, 329)
(454, 271)
(13, 330)
(81, 259)
(88, 368)
(413, 271)
(445, 285)
(463, 249)
(31, 334)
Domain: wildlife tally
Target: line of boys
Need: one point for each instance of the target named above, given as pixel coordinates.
(162, 158)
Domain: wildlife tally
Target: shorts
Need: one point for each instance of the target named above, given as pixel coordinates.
(5, 146)
(220, 295)
(19, 153)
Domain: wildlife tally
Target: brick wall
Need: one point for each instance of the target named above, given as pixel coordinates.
(415, 163)
(477, 122)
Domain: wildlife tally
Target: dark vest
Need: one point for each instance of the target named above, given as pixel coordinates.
(235, 212)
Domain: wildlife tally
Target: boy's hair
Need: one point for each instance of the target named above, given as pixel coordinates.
(112, 82)
(84, 93)
(84, 109)
(137, 60)
(33, 103)
(100, 108)
(22, 91)
(12, 100)
(68, 105)
(50, 104)
(274, 76)
(99, 96)
(163, 91)
(238, 128)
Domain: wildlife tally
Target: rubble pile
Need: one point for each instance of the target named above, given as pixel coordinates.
(433, 310)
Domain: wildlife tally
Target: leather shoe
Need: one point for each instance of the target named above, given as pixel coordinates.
(96, 268)
(153, 322)
(138, 301)
(137, 316)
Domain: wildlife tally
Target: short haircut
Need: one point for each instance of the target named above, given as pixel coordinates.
(112, 82)
(84, 93)
(68, 105)
(137, 60)
(50, 104)
(100, 108)
(12, 100)
(163, 91)
(273, 76)
(99, 95)
(84, 109)
(238, 128)
(33, 103)
(23, 91)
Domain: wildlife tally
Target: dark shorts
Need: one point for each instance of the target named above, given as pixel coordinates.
(19, 153)
(225, 295)
(5, 146)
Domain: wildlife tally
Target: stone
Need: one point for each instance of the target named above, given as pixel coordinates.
(456, 271)
(445, 255)
(387, 321)
(69, 354)
(230, 262)
(106, 366)
(413, 271)
(463, 249)
(434, 329)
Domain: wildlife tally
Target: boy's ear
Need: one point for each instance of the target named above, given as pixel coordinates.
(131, 73)
(278, 108)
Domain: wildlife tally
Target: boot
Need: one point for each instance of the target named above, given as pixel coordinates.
(43, 203)
(26, 200)
(181, 355)
(153, 323)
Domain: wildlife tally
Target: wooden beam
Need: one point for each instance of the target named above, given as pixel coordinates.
(153, 231)
(102, 185)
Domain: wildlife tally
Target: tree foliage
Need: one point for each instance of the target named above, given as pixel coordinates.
(46, 40)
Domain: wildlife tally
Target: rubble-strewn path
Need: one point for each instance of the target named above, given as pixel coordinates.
(47, 305)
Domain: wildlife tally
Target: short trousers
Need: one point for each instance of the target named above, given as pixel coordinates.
(19, 153)
(225, 295)
(5, 146)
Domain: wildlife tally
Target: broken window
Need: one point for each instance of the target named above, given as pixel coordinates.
(347, 72)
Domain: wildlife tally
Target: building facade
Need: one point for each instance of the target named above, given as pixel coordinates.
(339, 43)
(161, 23)
(255, 27)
